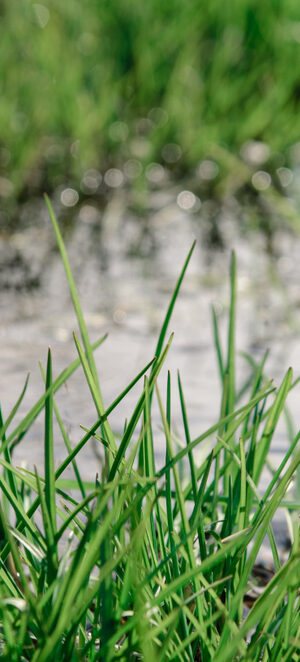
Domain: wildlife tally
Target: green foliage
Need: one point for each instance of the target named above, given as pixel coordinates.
(135, 564)
(78, 77)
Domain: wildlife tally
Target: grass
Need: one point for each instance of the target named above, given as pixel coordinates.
(136, 564)
(112, 89)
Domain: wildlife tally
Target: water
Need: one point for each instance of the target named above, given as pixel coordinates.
(126, 266)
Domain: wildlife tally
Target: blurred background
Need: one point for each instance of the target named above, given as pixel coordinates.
(149, 124)
(161, 90)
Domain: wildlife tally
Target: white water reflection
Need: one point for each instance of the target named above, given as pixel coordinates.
(128, 297)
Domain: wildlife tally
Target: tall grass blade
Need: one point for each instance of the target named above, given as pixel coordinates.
(23, 426)
(14, 410)
(230, 367)
(49, 448)
(168, 315)
(73, 291)
(218, 347)
(96, 395)
(137, 412)
(66, 441)
(272, 420)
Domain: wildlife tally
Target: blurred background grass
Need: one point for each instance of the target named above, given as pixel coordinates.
(92, 85)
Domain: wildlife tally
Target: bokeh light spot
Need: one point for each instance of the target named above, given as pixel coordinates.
(208, 170)
(261, 180)
(133, 168)
(188, 201)
(89, 214)
(285, 176)
(114, 178)
(171, 152)
(91, 181)
(69, 197)
(158, 116)
(155, 173)
(255, 152)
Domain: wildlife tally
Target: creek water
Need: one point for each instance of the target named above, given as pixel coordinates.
(125, 265)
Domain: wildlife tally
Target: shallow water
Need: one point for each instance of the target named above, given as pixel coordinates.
(125, 267)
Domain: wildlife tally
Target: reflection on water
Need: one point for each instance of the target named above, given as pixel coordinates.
(125, 266)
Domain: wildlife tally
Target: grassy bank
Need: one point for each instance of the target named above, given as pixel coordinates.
(97, 85)
(136, 563)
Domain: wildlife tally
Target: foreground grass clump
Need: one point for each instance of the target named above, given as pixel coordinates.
(135, 566)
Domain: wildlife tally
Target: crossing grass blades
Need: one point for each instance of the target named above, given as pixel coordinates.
(138, 566)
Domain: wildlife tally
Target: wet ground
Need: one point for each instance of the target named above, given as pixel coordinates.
(125, 265)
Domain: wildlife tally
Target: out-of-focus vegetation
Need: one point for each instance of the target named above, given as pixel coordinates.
(90, 85)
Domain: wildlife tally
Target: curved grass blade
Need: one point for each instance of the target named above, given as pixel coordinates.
(67, 442)
(28, 544)
(81, 444)
(23, 518)
(137, 412)
(14, 410)
(263, 609)
(73, 291)
(96, 395)
(187, 438)
(51, 549)
(17, 560)
(7, 456)
(217, 342)
(241, 413)
(272, 420)
(83, 329)
(166, 321)
(21, 429)
(185, 528)
(260, 525)
(96, 425)
(79, 508)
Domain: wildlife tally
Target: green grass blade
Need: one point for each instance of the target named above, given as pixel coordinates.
(49, 448)
(86, 437)
(185, 528)
(96, 395)
(51, 550)
(272, 420)
(187, 438)
(27, 421)
(262, 609)
(277, 473)
(7, 456)
(73, 291)
(17, 560)
(91, 374)
(96, 425)
(22, 518)
(230, 368)
(167, 318)
(3, 427)
(137, 412)
(66, 441)
(260, 524)
(217, 342)
(79, 508)
(241, 413)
